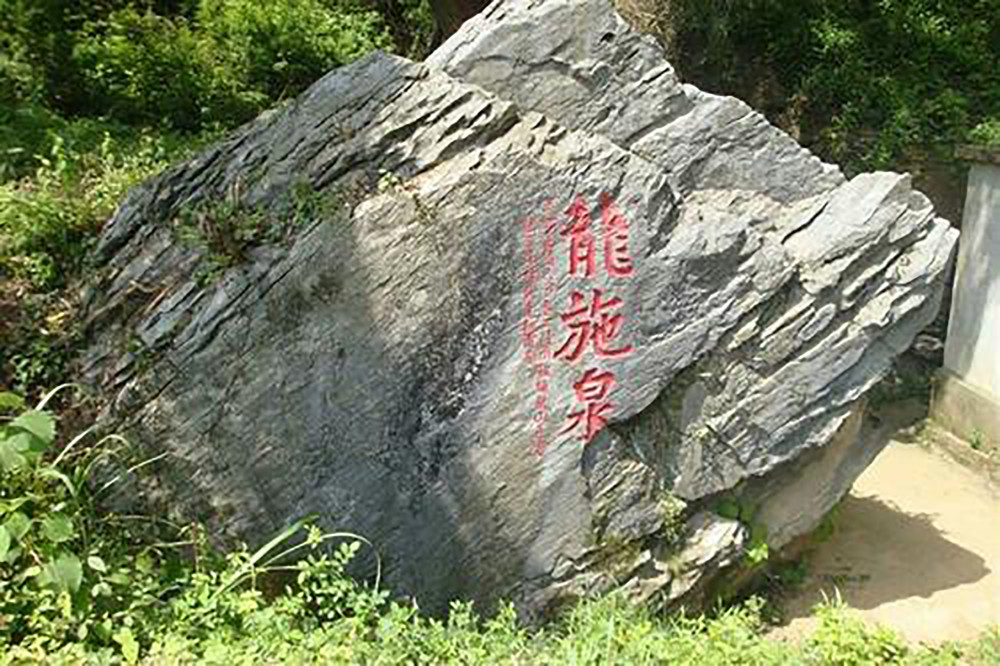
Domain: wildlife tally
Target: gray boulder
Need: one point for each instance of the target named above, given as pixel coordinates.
(544, 322)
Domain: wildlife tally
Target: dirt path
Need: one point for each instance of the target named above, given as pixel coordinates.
(916, 547)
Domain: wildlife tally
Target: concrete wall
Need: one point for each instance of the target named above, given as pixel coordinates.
(972, 351)
(968, 396)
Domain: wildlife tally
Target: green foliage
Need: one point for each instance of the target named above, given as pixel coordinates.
(225, 229)
(48, 221)
(828, 525)
(987, 133)
(788, 574)
(72, 578)
(21, 79)
(146, 68)
(76, 586)
(62, 182)
(282, 47)
(987, 649)
(418, 25)
(844, 640)
(672, 509)
(214, 62)
(48, 569)
(757, 551)
(865, 83)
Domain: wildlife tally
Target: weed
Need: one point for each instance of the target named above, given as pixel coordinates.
(757, 550)
(977, 439)
(77, 587)
(388, 181)
(827, 525)
(844, 639)
(73, 579)
(618, 555)
(789, 574)
(48, 221)
(673, 511)
(226, 229)
(987, 133)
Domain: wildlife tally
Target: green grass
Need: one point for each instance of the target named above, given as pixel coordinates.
(50, 214)
(60, 181)
(81, 586)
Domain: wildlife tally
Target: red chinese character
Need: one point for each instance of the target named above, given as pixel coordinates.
(592, 323)
(591, 390)
(617, 261)
(581, 240)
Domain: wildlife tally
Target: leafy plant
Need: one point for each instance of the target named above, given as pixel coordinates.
(284, 46)
(44, 542)
(987, 133)
(844, 640)
(870, 85)
(71, 577)
(226, 229)
(48, 222)
(143, 67)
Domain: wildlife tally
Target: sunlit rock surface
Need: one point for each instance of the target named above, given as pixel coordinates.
(545, 314)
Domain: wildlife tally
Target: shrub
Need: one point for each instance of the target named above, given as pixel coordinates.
(844, 640)
(48, 221)
(56, 585)
(146, 68)
(865, 83)
(77, 585)
(282, 47)
(235, 58)
(987, 133)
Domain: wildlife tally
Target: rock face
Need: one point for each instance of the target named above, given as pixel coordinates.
(544, 316)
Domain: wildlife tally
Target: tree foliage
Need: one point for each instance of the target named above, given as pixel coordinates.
(181, 64)
(868, 84)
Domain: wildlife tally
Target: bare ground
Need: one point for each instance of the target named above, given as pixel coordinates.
(916, 547)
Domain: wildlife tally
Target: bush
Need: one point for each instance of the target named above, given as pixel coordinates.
(987, 133)
(145, 68)
(866, 84)
(282, 47)
(235, 58)
(22, 79)
(47, 222)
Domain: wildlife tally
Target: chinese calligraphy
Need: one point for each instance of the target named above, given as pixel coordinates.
(616, 257)
(591, 391)
(596, 322)
(535, 333)
(593, 321)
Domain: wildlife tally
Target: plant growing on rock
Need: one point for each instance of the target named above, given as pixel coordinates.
(227, 228)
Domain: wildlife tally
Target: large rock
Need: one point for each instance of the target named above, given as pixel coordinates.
(400, 367)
